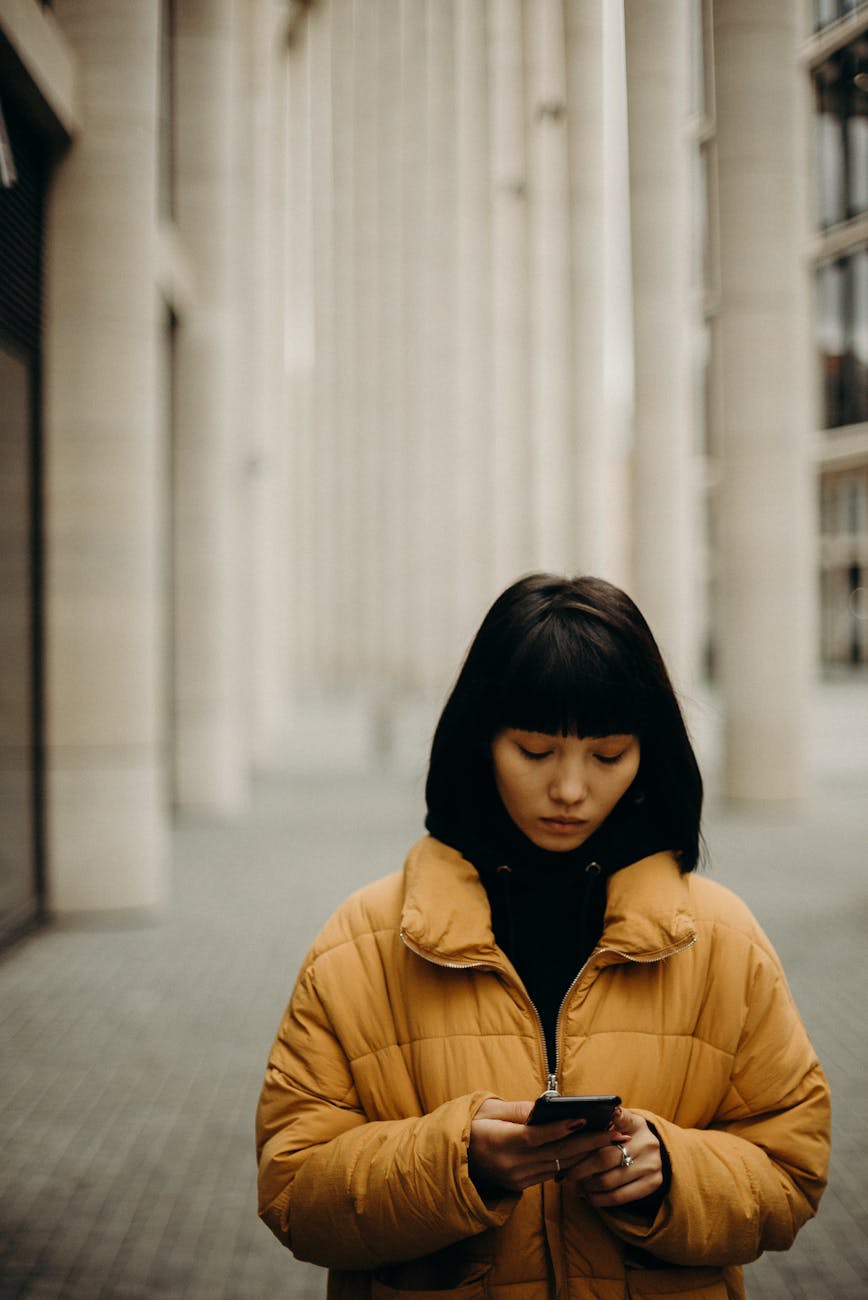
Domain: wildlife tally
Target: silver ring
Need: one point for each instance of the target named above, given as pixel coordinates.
(626, 1159)
(557, 1165)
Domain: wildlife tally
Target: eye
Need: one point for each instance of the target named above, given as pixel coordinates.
(609, 760)
(533, 754)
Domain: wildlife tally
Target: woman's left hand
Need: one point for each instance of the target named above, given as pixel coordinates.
(604, 1177)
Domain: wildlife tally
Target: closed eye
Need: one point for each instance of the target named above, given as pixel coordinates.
(534, 755)
(610, 759)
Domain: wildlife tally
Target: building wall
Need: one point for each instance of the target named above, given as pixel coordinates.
(356, 310)
(164, 475)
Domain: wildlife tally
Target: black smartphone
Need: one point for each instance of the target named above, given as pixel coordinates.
(596, 1111)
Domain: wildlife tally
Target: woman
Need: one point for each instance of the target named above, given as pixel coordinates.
(548, 933)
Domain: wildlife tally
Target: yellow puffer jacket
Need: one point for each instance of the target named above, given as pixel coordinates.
(406, 1016)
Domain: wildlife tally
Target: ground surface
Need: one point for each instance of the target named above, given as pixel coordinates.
(132, 1058)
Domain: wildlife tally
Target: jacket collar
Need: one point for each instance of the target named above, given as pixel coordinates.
(446, 916)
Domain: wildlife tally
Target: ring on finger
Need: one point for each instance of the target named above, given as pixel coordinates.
(626, 1159)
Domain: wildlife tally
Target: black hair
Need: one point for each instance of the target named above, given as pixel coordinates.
(566, 656)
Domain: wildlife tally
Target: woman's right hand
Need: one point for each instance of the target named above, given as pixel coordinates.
(507, 1153)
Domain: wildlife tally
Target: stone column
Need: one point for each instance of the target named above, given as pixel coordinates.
(394, 624)
(210, 753)
(510, 291)
(665, 542)
(268, 494)
(440, 551)
(413, 116)
(550, 313)
(105, 463)
(585, 66)
(342, 518)
(474, 444)
(297, 352)
(325, 443)
(763, 399)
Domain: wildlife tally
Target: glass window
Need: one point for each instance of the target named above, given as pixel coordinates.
(842, 338)
(829, 11)
(859, 338)
(831, 339)
(842, 139)
(825, 12)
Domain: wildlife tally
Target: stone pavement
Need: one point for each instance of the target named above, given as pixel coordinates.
(132, 1058)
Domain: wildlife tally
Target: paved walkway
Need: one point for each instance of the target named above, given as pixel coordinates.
(132, 1058)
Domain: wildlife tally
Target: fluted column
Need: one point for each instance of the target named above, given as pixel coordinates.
(397, 508)
(550, 308)
(439, 548)
(298, 351)
(414, 120)
(665, 543)
(370, 487)
(585, 64)
(268, 485)
(510, 291)
(104, 472)
(210, 749)
(473, 576)
(764, 399)
(325, 444)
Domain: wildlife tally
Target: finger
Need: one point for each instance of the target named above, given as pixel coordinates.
(511, 1112)
(546, 1135)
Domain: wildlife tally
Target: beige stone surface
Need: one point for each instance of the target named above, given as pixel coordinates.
(110, 852)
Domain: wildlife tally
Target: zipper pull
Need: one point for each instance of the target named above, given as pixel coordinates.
(552, 1083)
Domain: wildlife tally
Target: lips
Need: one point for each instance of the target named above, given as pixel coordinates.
(563, 823)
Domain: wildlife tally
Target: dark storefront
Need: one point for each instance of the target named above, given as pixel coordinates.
(24, 168)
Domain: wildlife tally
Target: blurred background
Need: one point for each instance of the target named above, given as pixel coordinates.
(319, 324)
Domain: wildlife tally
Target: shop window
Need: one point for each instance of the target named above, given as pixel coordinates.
(842, 338)
(842, 138)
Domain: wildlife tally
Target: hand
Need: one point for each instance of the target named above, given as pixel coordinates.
(505, 1153)
(602, 1177)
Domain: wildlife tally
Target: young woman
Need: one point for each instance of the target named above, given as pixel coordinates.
(548, 934)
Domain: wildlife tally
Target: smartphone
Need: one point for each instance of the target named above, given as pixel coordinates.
(596, 1111)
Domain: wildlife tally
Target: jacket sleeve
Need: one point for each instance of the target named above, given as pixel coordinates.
(347, 1192)
(750, 1180)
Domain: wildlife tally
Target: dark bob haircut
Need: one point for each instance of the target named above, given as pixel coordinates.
(566, 656)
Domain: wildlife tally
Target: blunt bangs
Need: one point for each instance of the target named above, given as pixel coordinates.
(571, 677)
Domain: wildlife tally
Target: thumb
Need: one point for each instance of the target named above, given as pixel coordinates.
(511, 1112)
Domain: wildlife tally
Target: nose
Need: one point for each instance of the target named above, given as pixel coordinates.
(569, 785)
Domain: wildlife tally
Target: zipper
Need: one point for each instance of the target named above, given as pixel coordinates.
(551, 1076)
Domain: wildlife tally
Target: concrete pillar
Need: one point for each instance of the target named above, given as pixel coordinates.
(440, 550)
(413, 115)
(297, 345)
(391, 292)
(617, 321)
(348, 504)
(370, 486)
(210, 749)
(551, 432)
(105, 461)
(474, 448)
(665, 542)
(763, 396)
(268, 506)
(510, 291)
(585, 66)
(327, 530)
